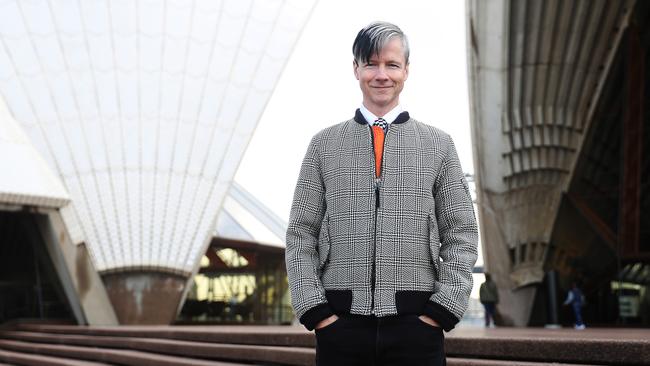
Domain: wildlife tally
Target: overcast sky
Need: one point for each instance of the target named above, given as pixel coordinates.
(318, 88)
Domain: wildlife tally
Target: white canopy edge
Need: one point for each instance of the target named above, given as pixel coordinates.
(26, 177)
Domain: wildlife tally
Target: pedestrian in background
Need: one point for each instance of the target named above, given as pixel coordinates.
(489, 297)
(576, 299)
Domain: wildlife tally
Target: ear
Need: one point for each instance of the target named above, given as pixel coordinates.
(406, 72)
(355, 68)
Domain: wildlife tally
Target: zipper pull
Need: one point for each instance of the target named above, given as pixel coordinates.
(377, 193)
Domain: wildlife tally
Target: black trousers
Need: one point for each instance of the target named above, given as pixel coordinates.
(400, 340)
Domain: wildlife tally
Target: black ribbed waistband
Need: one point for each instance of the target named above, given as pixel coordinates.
(373, 319)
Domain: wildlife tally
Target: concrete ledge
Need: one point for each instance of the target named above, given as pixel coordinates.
(112, 356)
(292, 345)
(218, 351)
(291, 336)
(37, 360)
(451, 361)
(591, 346)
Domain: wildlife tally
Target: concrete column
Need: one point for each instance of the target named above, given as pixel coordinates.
(145, 297)
(630, 198)
(81, 283)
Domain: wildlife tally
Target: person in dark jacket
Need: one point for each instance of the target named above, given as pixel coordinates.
(575, 298)
(382, 235)
(489, 297)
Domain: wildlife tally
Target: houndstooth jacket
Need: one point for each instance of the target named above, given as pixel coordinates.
(401, 244)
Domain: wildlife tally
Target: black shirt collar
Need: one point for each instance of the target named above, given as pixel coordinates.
(401, 118)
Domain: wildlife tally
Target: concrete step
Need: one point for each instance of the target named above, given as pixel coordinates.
(40, 360)
(107, 355)
(290, 336)
(453, 361)
(218, 351)
(595, 346)
(591, 346)
(276, 355)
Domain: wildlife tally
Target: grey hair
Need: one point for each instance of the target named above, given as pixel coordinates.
(372, 39)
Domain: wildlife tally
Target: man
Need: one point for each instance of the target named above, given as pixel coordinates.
(382, 236)
(489, 297)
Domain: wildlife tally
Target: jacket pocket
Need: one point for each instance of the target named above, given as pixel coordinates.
(339, 300)
(434, 242)
(411, 301)
(323, 244)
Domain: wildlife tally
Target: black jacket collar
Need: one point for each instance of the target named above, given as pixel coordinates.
(401, 118)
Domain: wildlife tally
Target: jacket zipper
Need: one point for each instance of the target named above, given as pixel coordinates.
(374, 249)
(377, 205)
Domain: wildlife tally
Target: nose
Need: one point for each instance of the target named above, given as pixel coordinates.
(381, 73)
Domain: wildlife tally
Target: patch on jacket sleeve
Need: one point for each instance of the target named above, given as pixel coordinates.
(463, 181)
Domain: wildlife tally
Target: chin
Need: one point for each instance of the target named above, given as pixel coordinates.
(382, 97)
(383, 101)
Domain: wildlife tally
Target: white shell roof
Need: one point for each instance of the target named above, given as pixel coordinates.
(26, 178)
(244, 217)
(144, 109)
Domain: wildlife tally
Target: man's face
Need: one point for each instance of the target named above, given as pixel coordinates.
(382, 78)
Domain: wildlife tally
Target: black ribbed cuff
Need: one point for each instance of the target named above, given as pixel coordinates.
(314, 315)
(444, 317)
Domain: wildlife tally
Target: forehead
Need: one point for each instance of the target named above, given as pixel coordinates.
(393, 51)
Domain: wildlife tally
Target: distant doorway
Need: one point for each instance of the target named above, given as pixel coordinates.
(29, 285)
(239, 282)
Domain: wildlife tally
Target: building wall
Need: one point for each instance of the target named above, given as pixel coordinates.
(536, 72)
